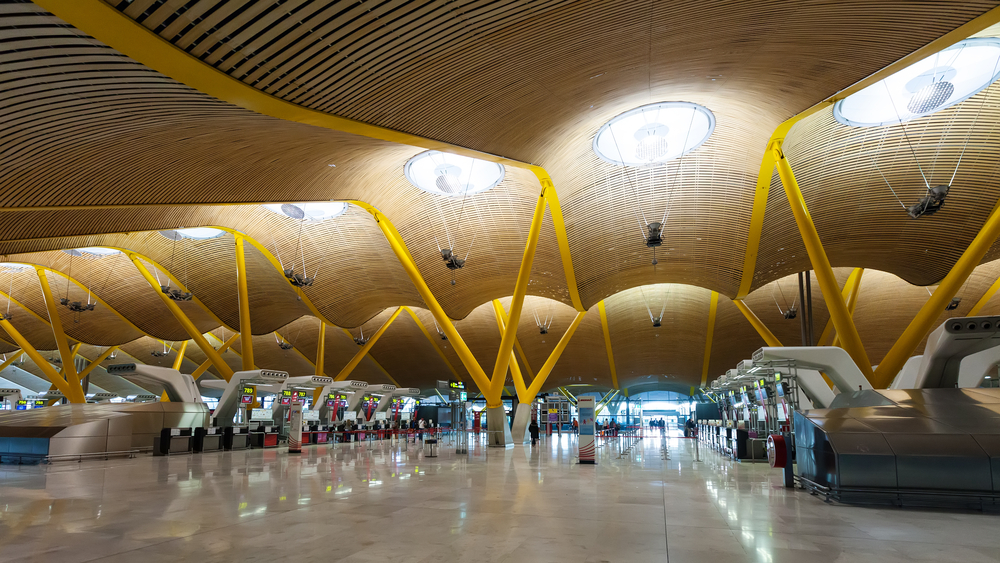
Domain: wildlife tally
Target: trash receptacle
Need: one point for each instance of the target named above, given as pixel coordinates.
(430, 447)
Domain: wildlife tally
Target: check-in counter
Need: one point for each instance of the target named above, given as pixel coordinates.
(236, 438)
(208, 439)
(264, 437)
(173, 441)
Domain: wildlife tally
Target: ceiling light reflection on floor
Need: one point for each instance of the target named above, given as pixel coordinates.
(939, 81)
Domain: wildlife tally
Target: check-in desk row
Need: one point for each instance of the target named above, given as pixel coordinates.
(198, 440)
(733, 442)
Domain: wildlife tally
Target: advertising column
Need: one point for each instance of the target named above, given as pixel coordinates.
(295, 432)
(585, 406)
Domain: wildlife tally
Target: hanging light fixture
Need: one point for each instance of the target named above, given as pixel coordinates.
(452, 175)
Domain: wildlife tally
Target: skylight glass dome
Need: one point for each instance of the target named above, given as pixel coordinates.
(197, 233)
(452, 175)
(940, 81)
(654, 133)
(92, 252)
(313, 211)
(14, 266)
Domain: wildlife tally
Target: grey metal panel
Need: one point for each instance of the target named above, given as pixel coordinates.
(991, 445)
(912, 425)
(119, 443)
(941, 461)
(95, 428)
(120, 425)
(75, 445)
(831, 425)
(864, 460)
(861, 398)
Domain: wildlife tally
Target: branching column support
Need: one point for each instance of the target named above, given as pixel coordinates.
(543, 373)
(368, 346)
(437, 348)
(929, 313)
(842, 321)
(69, 368)
(208, 363)
(516, 303)
(180, 355)
(246, 337)
(984, 299)
(73, 395)
(515, 370)
(10, 360)
(848, 288)
(193, 332)
(852, 300)
(104, 355)
(762, 330)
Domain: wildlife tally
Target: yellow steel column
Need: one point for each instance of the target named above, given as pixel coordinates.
(205, 365)
(984, 299)
(828, 329)
(10, 360)
(72, 379)
(73, 395)
(180, 355)
(104, 355)
(320, 358)
(193, 332)
(368, 346)
(550, 363)
(406, 260)
(516, 301)
(246, 337)
(712, 308)
(555, 211)
(852, 301)
(928, 314)
(762, 330)
(842, 321)
(607, 343)
(515, 370)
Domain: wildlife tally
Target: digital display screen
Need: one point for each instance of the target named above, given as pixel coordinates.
(248, 390)
(456, 385)
(286, 393)
(21, 405)
(331, 396)
(285, 400)
(40, 403)
(331, 403)
(247, 399)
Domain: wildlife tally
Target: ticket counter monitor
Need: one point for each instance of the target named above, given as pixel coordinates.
(300, 387)
(338, 394)
(262, 433)
(385, 403)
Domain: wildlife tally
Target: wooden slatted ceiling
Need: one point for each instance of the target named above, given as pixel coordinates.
(407, 355)
(859, 220)
(339, 349)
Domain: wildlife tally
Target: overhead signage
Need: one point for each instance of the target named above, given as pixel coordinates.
(40, 403)
(247, 399)
(21, 405)
(249, 390)
(286, 393)
(463, 396)
(456, 384)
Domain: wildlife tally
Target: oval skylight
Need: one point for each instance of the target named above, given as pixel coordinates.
(14, 266)
(940, 81)
(452, 175)
(197, 233)
(654, 133)
(92, 251)
(312, 211)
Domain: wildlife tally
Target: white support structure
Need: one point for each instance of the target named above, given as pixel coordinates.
(337, 387)
(386, 401)
(959, 353)
(12, 395)
(835, 362)
(230, 401)
(179, 387)
(907, 377)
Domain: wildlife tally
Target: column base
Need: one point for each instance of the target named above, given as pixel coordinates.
(522, 418)
(498, 435)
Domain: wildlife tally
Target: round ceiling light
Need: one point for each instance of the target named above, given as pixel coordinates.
(196, 233)
(313, 211)
(14, 266)
(654, 133)
(92, 251)
(940, 81)
(452, 175)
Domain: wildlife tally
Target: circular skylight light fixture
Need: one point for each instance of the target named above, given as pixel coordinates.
(940, 81)
(313, 211)
(654, 133)
(14, 266)
(452, 175)
(92, 252)
(196, 233)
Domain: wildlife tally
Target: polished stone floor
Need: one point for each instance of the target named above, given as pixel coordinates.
(389, 503)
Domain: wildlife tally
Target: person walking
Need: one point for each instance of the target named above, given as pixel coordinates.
(533, 430)
(576, 426)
